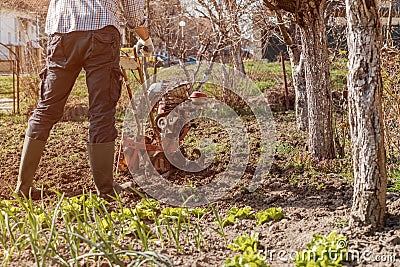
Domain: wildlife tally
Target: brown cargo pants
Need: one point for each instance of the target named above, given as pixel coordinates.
(97, 52)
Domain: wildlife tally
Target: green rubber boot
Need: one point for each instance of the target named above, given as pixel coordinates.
(101, 157)
(31, 153)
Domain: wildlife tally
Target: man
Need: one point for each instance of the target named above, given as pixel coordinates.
(82, 34)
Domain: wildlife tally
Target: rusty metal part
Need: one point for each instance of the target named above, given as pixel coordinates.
(148, 139)
(160, 162)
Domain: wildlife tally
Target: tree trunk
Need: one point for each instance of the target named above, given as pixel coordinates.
(236, 35)
(298, 72)
(314, 47)
(237, 57)
(366, 124)
(299, 82)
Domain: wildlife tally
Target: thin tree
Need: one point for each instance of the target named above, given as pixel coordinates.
(366, 123)
(289, 35)
(227, 18)
(309, 15)
(164, 23)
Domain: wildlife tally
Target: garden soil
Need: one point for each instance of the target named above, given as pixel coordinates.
(314, 200)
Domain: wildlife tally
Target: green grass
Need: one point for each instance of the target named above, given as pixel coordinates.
(339, 72)
(79, 94)
(6, 85)
(267, 75)
(79, 90)
(394, 179)
(267, 68)
(267, 85)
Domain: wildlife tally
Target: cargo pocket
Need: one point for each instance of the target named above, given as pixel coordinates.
(55, 51)
(42, 76)
(116, 84)
(104, 45)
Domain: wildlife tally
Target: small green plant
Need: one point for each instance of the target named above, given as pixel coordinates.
(174, 219)
(248, 245)
(271, 214)
(78, 206)
(284, 149)
(220, 230)
(318, 186)
(247, 212)
(180, 224)
(244, 242)
(173, 212)
(323, 251)
(237, 213)
(341, 223)
(183, 212)
(198, 212)
(147, 208)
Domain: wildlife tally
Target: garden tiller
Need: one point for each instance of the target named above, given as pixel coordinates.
(160, 99)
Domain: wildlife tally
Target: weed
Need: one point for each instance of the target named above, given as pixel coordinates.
(284, 149)
(302, 161)
(318, 186)
(339, 74)
(294, 181)
(390, 102)
(6, 82)
(341, 223)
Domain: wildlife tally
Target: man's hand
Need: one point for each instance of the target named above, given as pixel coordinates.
(146, 47)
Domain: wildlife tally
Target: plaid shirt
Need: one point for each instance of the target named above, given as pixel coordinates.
(83, 15)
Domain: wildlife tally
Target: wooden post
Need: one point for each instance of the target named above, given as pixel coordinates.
(13, 62)
(285, 81)
(16, 55)
(18, 84)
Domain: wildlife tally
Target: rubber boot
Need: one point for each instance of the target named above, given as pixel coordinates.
(101, 158)
(31, 153)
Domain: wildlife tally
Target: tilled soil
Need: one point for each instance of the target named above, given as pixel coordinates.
(313, 202)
